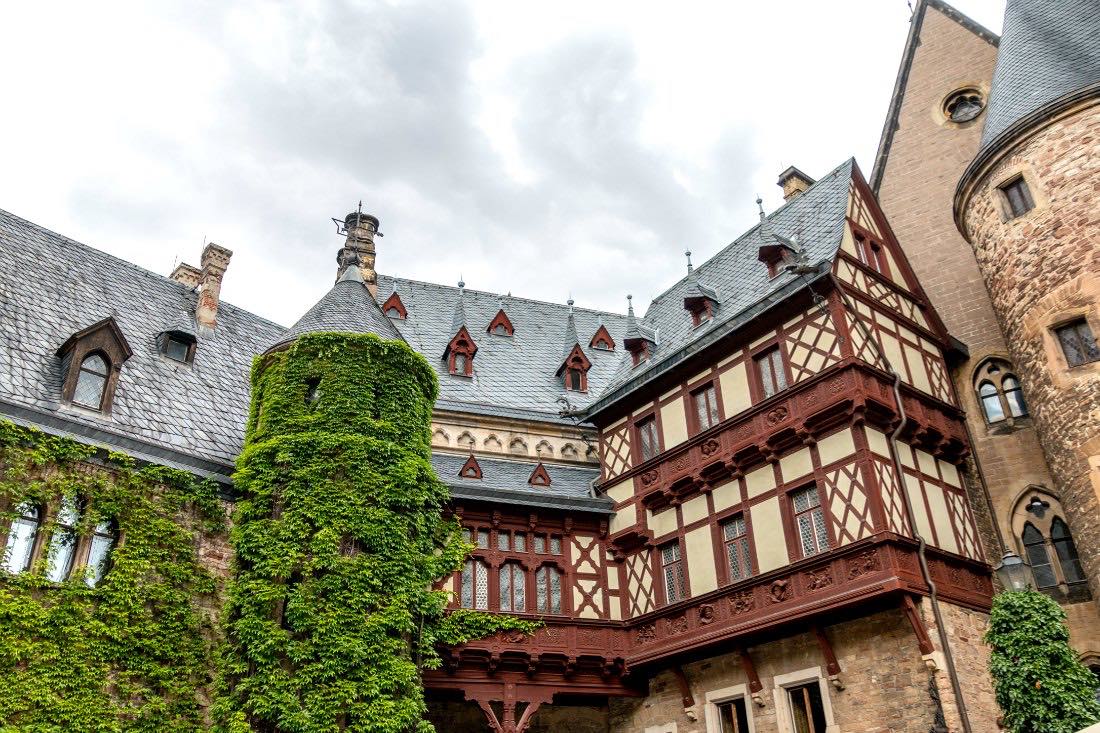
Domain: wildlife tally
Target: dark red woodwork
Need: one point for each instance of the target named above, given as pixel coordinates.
(461, 344)
(832, 666)
(919, 629)
(686, 697)
(750, 671)
(470, 469)
(500, 323)
(575, 363)
(394, 302)
(602, 339)
(539, 477)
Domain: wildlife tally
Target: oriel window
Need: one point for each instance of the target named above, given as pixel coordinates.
(706, 406)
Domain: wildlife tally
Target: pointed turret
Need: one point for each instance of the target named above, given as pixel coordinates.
(639, 340)
(347, 308)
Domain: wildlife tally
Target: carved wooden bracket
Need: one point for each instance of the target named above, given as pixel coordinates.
(685, 687)
(832, 666)
(754, 679)
(911, 613)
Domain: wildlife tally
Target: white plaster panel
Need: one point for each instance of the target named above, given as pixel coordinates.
(662, 522)
(726, 495)
(760, 481)
(768, 536)
(734, 383)
(796, 465)
(700, 557)
(623, 518)
(694, 509)
(836, 446)
(674, 423)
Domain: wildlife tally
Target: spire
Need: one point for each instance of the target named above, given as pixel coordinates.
(687, 253)
(635, 331)
(571, 338)
(760, 205)
(458, 320)
(347, 308)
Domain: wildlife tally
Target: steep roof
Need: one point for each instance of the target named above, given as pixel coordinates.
(814, 220)
(1049, 48)
(506, 480)
(514, 376)
(347, 308)
(912, 43)
(51, 287)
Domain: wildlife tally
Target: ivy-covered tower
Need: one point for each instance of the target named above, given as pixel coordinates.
(339, 532)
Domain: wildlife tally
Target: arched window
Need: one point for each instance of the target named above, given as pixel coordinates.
(91, 382)
(1035, 547)
(548, 589)
(999, 392)
(21, 536)
(103, 542)
(1066, 551)
(393, 312)
(513, 587)
(62, 550)
(475, 585)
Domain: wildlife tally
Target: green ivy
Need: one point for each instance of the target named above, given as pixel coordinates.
(135, 652)
(1039, 683)
(338, 539)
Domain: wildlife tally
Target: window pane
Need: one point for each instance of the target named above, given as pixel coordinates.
(555, 545)
(505, 587)
(59, 558)
(502, 541)
(733, 716)
(483, 539)
(819, 529)
(95, 364)
(540, 543)
(1066, 551)
(468, 584)
(481, 585)
(541, 589)
(519, 588)
(807, 711)
(778, 371)
(767, 379)
(991, 402)
(21, 535)
(806, 535)
(670, 553)
(555, 590)
(521, 542)
(1078, 343)
(102, 542)
(89, 389)
(176, 350)
(1015, 397)
(734, 528)
(1038, 557)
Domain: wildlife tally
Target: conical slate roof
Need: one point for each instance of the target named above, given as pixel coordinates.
(1049, 48)
(347, 308)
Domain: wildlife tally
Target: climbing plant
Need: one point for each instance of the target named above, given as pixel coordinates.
(1039, 683)
(339, 536)
(134, 653)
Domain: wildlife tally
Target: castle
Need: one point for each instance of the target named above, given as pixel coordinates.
(773, 501)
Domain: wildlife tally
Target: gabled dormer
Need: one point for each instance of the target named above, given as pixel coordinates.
(639, 340)
(91, 361)
(461, 349)
(777, 254)
(574, 364)
(699, 300)
(470, 469)
(539, 477)
(601, 340)
(501, 325)
(394, 308)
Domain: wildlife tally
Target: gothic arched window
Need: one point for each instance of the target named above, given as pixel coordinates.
(1045, 541)
(104, 538)
(999, 392)
(1035, 546)
(1066, 552)
(62, 550)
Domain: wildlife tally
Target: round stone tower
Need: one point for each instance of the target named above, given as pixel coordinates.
(1029, 204)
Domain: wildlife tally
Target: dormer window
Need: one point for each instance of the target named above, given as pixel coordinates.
(91, 360)
(701, 313)
(602, 340)
(394, 308)
(501, 325)
(91, 382)
(776, 257)
(639, 351)
(460, 354)
(539, 477)
(177, 346)
(574, 370)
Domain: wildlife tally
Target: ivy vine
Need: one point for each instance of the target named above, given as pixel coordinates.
(338, 538)
(135, 652)
(1039, 683)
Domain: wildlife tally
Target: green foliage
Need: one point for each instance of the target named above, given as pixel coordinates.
(338, 538)
(134, 653)
(1040, 685)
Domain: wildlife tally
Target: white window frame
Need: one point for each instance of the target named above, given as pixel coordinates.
(783, 682)
(714, 698)
(663, 728)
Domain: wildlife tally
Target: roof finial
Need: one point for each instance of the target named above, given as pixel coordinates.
(687, 253)
(570, 302)
(760, 205)
(629, 305)
(460, 283)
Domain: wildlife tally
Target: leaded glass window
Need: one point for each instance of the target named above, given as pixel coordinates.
(21, 537)
(810, 520)
(520, 542)
(1066, 551)
(555, 545)
(672, 568)
(772, 372)
(647, 438)
(1035, 547)
(475, 585)
(735, 535)
(512, 587)
(62, 549)
(548, 589)
(706, 407)
(91, 382)
(483, 539)
(1078, 343)
(540, 543)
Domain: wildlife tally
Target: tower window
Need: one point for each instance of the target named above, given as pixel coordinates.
(91, 383)
(1077, 342)
(999, 392)
(1017, 197)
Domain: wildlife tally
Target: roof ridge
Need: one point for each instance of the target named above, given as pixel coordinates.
(116, 260)
(851, 160)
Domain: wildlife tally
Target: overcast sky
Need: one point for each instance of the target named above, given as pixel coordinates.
(545, 149)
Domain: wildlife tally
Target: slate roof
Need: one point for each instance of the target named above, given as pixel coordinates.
(1049, 48)
(347, 308)
(813, 220)
(513, 375)
(52, 286)
(506, 480)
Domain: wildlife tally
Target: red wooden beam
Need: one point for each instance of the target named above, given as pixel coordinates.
(685, 687)
(911, 613)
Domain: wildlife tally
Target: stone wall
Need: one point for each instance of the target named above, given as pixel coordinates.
(466, 717)
(1041, 269)
(887, 684)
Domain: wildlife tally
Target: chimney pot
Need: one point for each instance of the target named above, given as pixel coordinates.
(359, 247)
(793, 182)
(215, 260)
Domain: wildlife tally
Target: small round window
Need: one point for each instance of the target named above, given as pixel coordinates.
(963, 105)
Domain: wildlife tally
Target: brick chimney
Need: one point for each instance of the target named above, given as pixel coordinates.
(215, 260)
(793, 182)
(359, 247)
